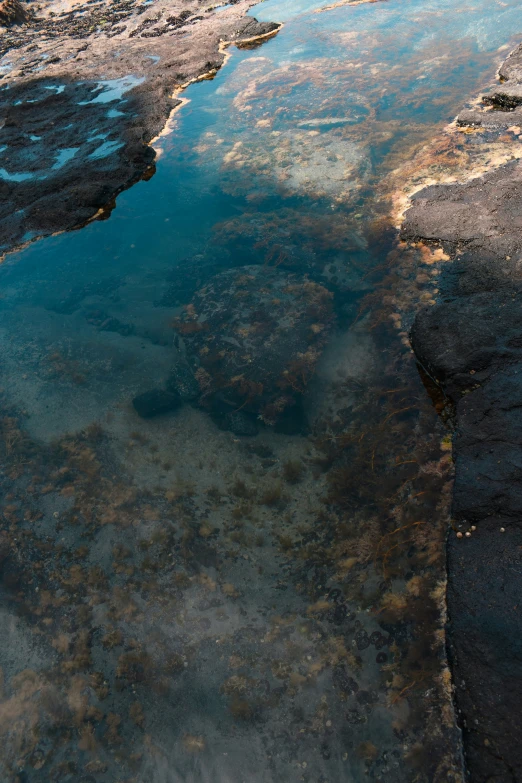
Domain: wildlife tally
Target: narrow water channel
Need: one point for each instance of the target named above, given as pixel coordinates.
(225, 488)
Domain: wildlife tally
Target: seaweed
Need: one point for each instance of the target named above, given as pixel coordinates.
(293, 471)
(272, 496)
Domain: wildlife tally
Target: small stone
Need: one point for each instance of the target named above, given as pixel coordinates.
(473, 528)
(502, 529)
(468, 534)
(459, 534)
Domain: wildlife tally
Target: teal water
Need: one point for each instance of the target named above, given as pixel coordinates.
(225, 591)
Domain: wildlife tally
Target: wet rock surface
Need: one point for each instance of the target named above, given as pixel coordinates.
(253, 336)
(50, 132)
(470, 342)
(84, 91)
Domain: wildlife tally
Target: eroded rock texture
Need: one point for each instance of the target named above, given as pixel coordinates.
(12, 12)
(471, 343)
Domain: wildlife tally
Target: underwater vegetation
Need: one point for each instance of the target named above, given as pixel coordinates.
(330, 247)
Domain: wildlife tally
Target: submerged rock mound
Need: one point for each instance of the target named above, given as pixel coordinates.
(253, 336)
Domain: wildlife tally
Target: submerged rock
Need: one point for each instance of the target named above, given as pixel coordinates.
(182, 382)
(253, 336)
(154, 402)
(238, 422)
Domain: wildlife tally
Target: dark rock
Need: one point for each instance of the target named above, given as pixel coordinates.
(362, 640)
(181, 381)
(481, 215)
(342, 680)
(507, 94)
(489, 120)
(154, 402)
(237, 421)
(355, 718)
(470, 343)
(254, 29)
(64, 194)
(366, 698)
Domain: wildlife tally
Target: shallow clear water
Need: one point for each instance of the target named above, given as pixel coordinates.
(183, 601)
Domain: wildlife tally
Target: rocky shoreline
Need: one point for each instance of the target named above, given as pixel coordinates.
(85, 89)
(470, 343)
